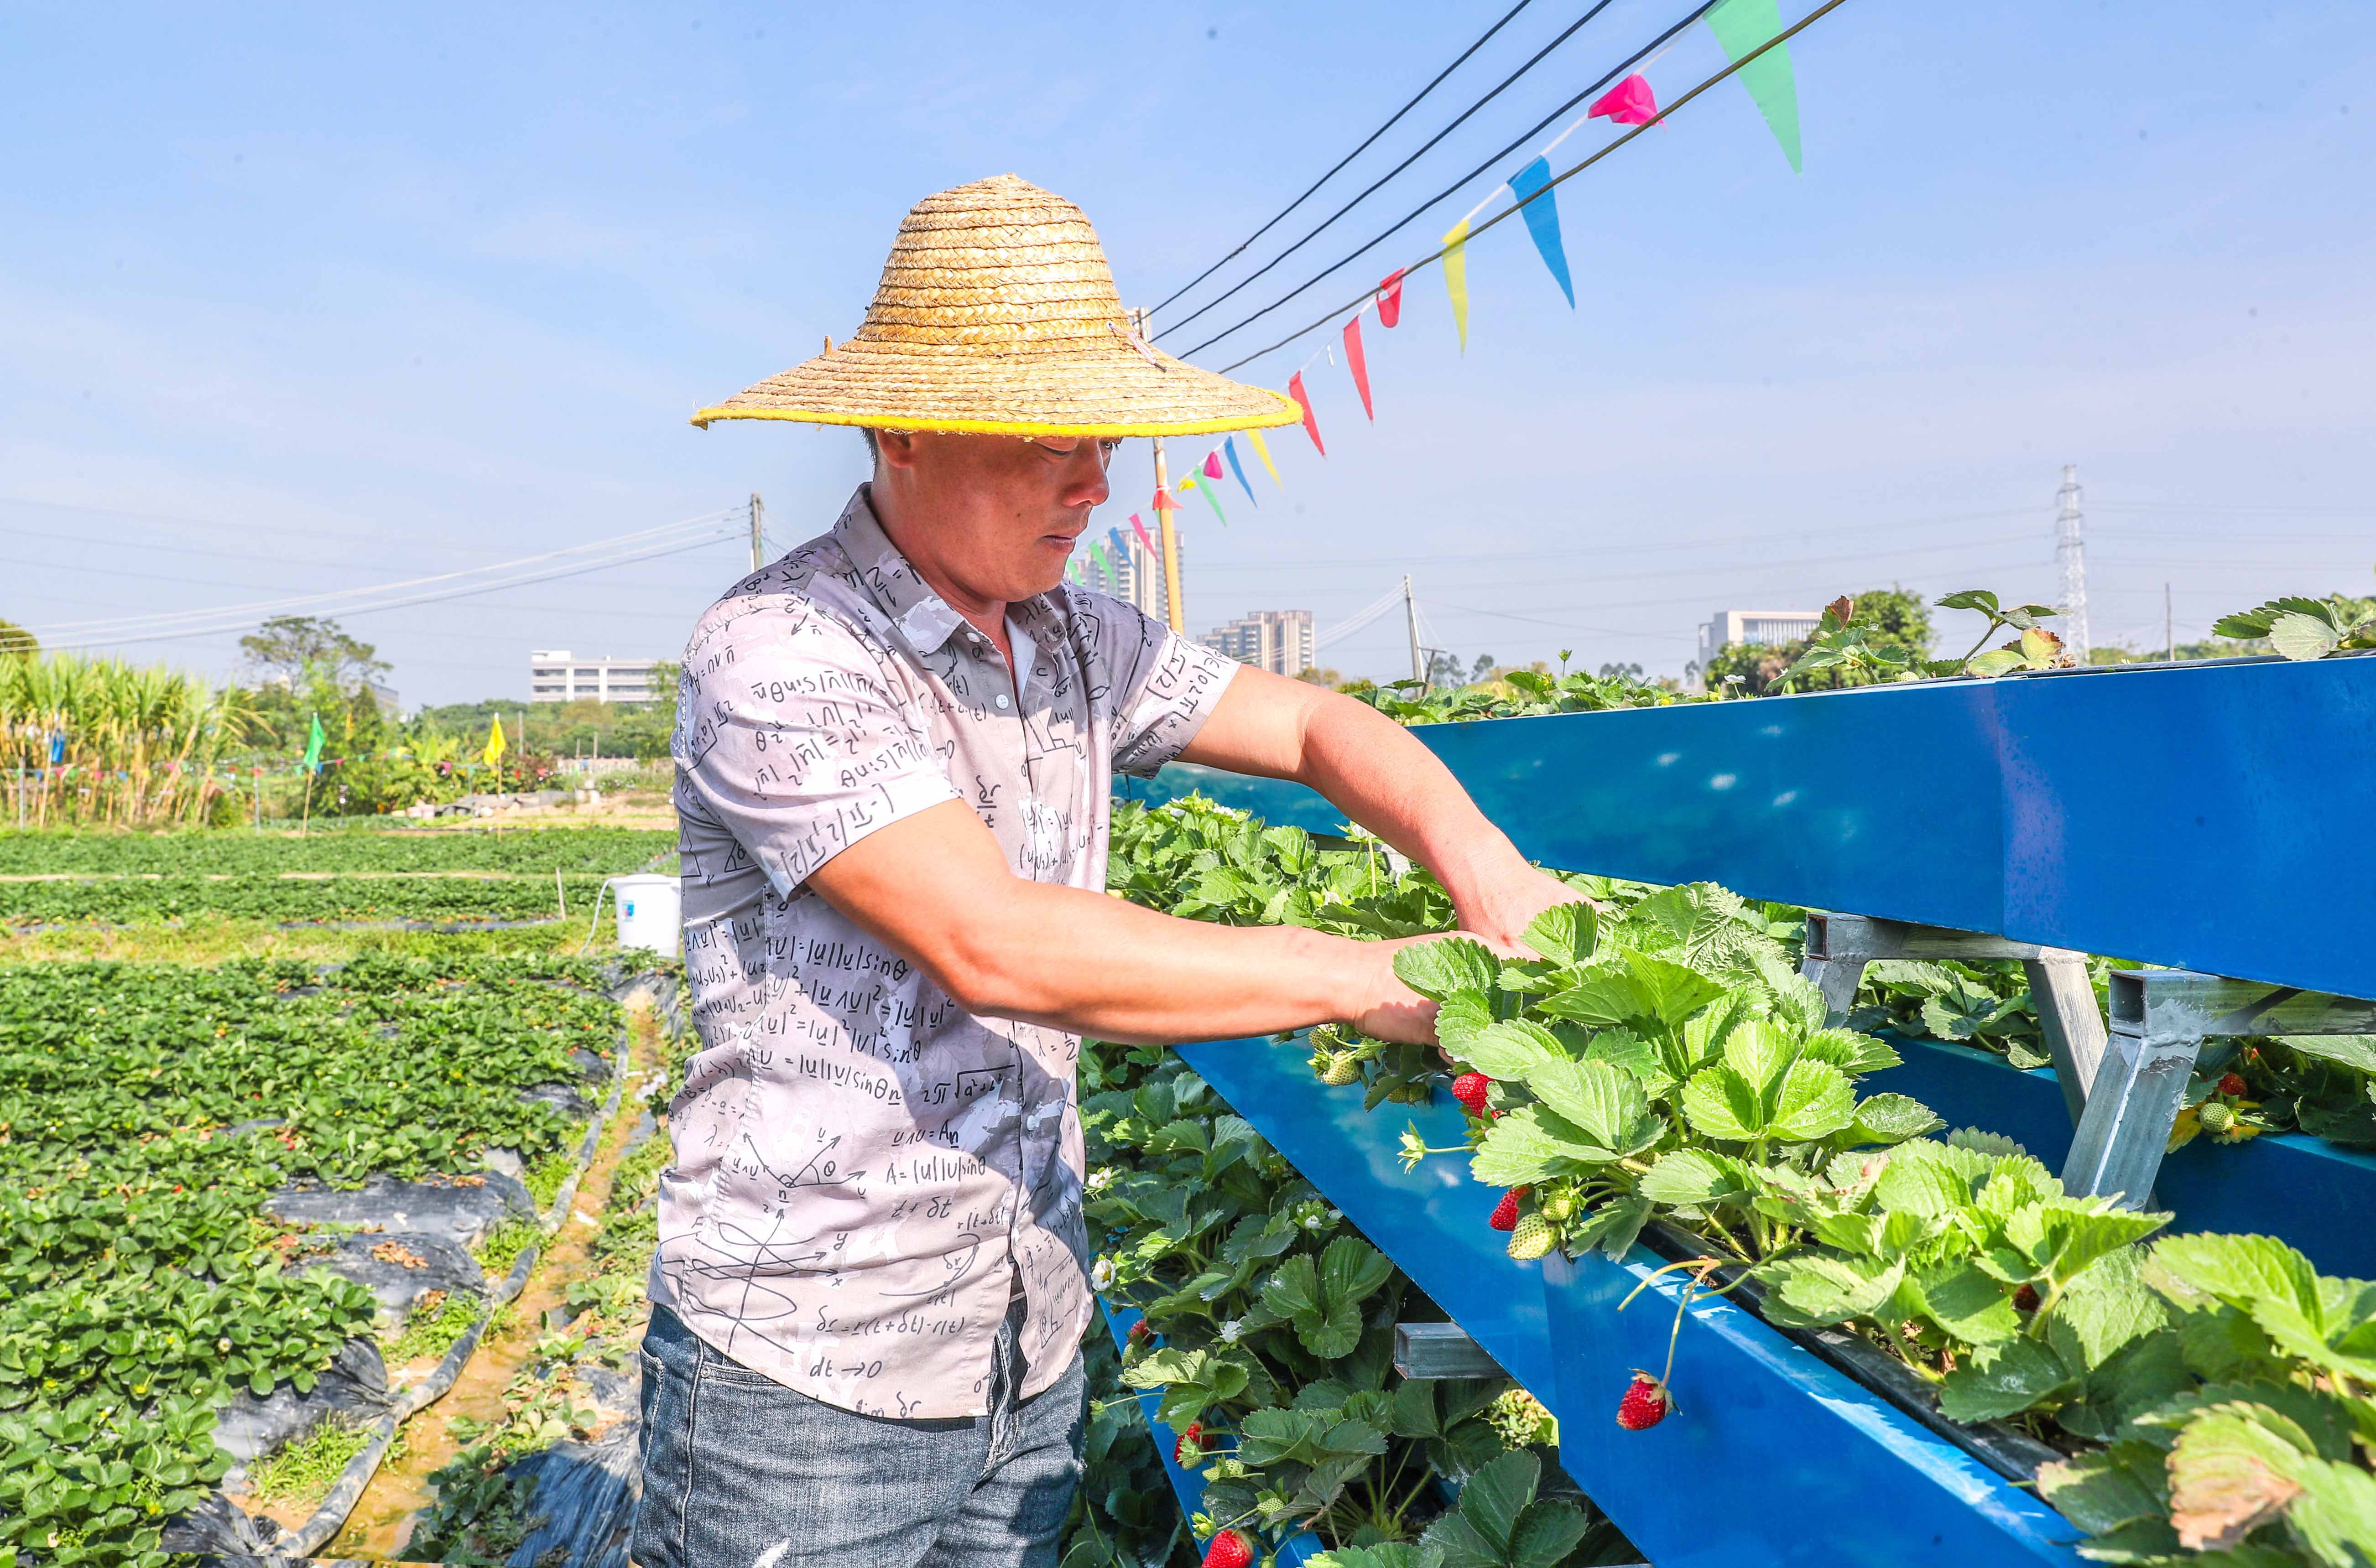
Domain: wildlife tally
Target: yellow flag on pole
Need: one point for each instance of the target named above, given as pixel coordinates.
(1455, 276)
(493, 754)
(1262, 450)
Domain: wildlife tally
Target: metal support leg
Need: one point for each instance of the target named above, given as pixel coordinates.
(1839, 945)
(1430, 1350)
(2160, 1021)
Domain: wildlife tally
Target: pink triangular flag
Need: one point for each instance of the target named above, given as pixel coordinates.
(1629, 102)
(1213, 463)
(1304, 401)
(1358, 365)
(1140, 529)
(1390, 299)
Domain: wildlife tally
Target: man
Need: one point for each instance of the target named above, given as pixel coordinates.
(894, 748)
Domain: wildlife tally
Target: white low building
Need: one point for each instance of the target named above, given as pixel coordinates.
(555, 675)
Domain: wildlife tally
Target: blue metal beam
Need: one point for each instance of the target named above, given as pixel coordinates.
(2213, 816)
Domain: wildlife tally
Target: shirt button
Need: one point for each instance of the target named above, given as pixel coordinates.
(1001, 700)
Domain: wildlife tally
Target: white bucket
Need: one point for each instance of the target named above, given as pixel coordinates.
(651, 912)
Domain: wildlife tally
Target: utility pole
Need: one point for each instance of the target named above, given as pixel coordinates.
(2169, 628)
(2071, 555)
(1169, 534)
(758, 511)
(1410, 619)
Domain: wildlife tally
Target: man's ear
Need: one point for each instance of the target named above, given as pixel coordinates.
(896, 448)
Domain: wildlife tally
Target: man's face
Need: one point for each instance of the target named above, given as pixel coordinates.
(997, 514)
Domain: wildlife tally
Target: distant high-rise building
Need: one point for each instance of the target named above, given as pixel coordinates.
(1763, 629)
(555, 675)
(1278, 641)
(1124, 566)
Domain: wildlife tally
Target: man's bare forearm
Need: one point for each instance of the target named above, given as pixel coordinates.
(936, 887)
(1377, 773)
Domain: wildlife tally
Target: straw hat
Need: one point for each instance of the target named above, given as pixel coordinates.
(997, 313)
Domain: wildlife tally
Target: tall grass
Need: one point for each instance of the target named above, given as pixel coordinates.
(96, 741)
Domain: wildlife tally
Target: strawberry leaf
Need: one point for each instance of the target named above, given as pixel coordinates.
(1436, 970)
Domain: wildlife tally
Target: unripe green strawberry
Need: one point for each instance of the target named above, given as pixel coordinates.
(2215, 1116)
(1532, 1238)
(1342, 1069)
(1559, 1206)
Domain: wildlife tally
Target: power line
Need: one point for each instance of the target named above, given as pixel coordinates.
(1348, 158)
(115, 639)
(1543, 193)
(1371, 188)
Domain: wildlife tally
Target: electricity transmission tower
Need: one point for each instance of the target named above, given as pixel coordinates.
(2071, 555)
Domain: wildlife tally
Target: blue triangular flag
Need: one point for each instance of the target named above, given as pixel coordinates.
(1230, 450)
(1542, 219)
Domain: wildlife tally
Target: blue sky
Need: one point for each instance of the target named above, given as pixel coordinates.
(301, 298)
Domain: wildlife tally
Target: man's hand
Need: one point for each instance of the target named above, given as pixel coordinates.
(1499, 907)
(1385, 1009)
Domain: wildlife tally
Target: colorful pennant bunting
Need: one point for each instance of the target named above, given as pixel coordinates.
(1303, 400)
(1542, 219)
(1140, 529)
(1359, 366)
(1213, 463)
(1229, 447)
(1741, 25)
(1262, 450)
(1212, 499)
(1629, 102)
(1162, 503)
(1390, 299)
(1455, 276)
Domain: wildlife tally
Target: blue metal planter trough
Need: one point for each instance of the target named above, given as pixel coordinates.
(1771, 1457)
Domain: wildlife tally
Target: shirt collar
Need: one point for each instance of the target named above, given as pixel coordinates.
(923, 618)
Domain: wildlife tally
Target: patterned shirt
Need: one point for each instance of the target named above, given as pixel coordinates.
(865, 1173)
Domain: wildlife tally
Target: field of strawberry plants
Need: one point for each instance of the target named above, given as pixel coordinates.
(165, 1131)
(58, 878)
(238, 852)
(1657, 1071)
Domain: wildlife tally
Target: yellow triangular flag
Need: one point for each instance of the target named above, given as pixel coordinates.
(1262, 450)
(1455, 276)
(493, 754)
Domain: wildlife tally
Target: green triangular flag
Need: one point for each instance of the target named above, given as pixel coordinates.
(1740, 26)
(314, 747)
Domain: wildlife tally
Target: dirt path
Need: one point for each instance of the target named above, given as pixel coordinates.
(383, 1519)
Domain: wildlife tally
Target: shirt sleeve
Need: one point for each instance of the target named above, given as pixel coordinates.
(1162, 687)
(795, 738)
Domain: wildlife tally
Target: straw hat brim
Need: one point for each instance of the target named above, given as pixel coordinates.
(1075, 388)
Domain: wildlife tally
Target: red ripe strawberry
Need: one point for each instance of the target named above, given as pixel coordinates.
(1228, 1549)
(2233, 1085)
(1645, 1403)
(1139, 1331)
(1196, 1431)
(1469, 1090)
(2025, 1298)
(1506, 1213)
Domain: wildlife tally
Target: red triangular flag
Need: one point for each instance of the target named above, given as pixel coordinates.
(1629, 102)
(1390, 299)
(1359, 366)
(1162, 503)
(1213, 463)
(1140, 529)
(1303, 400)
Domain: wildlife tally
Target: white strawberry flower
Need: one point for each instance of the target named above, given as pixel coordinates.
(1230, 1330)
(1101, 1274)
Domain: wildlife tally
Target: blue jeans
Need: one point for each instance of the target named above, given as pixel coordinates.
(743, 1472)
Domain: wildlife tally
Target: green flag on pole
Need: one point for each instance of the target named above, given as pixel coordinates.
(314, 747)
(1740, 26)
